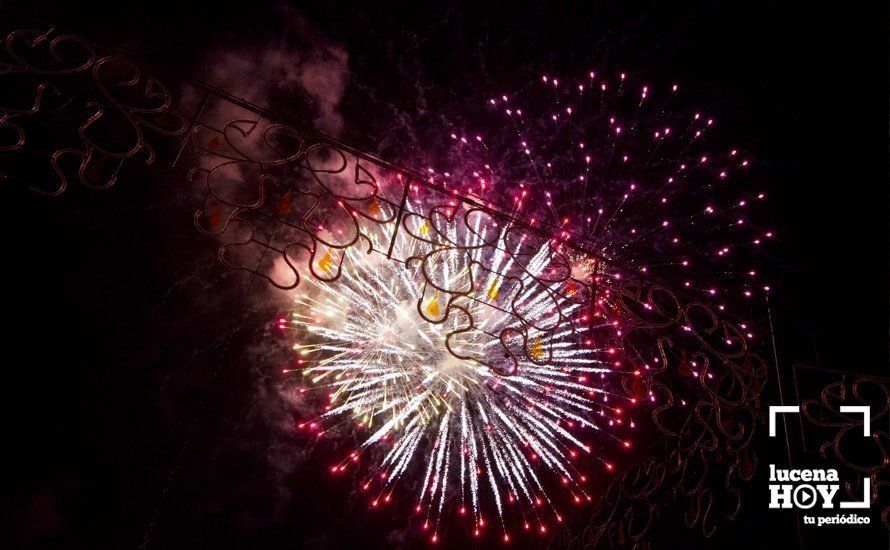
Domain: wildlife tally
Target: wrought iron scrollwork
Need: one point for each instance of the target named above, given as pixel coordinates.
(705, 383)
(284, 202)
(71, 112)
(837, 436)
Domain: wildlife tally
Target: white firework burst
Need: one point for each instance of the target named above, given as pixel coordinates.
(455, 387)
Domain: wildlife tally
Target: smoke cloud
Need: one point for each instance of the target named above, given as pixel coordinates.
(298, 72)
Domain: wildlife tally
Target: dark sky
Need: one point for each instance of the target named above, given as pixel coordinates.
(138, 409)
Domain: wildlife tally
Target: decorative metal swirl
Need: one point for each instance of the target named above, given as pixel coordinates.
(706, 386)
(89, 112)
(837, 437)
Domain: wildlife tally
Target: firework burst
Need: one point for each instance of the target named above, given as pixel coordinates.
(480, 357)
(484, 408)
(628, 171)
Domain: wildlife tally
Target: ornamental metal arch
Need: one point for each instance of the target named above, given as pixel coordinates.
(281, 202)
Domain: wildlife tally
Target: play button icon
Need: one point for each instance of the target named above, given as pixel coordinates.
(804, 496)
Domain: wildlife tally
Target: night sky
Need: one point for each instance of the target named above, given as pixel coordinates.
(140, 400)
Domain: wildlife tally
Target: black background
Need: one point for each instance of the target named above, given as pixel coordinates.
(133, 409)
